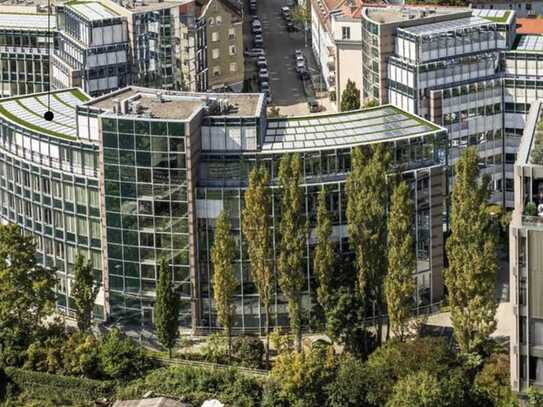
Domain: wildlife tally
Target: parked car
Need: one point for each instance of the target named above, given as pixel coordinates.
(255, 52)
(291, 27)
(313, 105)
(263, 75)
(300, 66)
(268, 98)
(285, 11)
(261, 58)
(264, 86)
(256, 29)
(258, 41)
(261, 63)
(300, 58)
(298, 53)
(303, 74)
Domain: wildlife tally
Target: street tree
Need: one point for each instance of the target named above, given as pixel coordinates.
(224, 280)
(471, 250)
(26, 288)
(399, 283)
(256, 231)
(366, 218)
(350, 98)
(166, 309)
(292, 231)
(84, 292)
(324, 259)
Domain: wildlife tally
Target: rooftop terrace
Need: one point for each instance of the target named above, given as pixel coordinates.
(92, 10)
(156, 103)
(383, 123)
(27, 112)
(395, 14)
(446, 26)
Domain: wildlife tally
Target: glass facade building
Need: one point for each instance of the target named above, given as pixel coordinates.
(137, 176)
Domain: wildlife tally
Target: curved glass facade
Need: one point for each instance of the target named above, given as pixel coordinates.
(138, 176)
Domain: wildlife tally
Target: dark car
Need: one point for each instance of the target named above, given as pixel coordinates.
(291, 27)
(313, 105)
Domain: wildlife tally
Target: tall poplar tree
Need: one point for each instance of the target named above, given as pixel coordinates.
(256, 231)
(325, 257)
(166, 309)
(399, 282)
(84, 292)
(350, 98)
(366, 217)
(471, 250)
(293, 231)
(224, 280)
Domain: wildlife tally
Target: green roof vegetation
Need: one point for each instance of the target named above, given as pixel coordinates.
(16, 120)
(502, 19)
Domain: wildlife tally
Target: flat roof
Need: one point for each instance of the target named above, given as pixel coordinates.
(529, 26)
(27, 111)
(34, 22)
(496, 16)
(396, 14)
(92, 10)
(445, 26)
(320, 132)
(528, 43)
(157, 103)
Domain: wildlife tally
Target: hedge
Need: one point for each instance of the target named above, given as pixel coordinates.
(40, 384)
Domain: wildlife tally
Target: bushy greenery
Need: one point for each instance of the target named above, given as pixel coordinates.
(194, 385)
(27, 388)
(121, 357)
(248, 351)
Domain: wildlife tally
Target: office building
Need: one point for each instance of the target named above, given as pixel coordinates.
(25, 47)
(140, 174)
(525, 242)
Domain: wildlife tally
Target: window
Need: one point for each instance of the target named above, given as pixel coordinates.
(345, 33)
(233, 67)
(216, 71)
(211, 21)
(218, 20)
(215, 53)
(214, 36)
(231, 33)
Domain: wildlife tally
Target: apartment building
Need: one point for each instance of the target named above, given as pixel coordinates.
(141, 174)
(525, 243)
(336, 42)
(224, 38)
(25, 47)
(523, 8)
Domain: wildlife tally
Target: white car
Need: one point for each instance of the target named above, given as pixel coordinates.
(264, 86)
(300, 58)
(263, 75)
(256, 23)
(285, 10)
(300, 66)
(261, 58)
(255, 52)
(261, 63)
(257, 29)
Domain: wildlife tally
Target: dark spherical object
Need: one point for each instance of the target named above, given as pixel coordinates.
(49, 116)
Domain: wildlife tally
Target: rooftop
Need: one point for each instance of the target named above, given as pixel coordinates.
(27, 111)
(446, 26)
(157, 103)
(153, 402)
(92, 10)
(15, 19)
(395, 14)
(322, 132)
(529, 26)
(496, 16)
(530, 43)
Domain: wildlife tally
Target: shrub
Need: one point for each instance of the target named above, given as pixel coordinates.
(121, 358)
(420, 389)
(216, 349)
(349, 388)
(62, 390)
(493, 381)
(530, 209)
(194, 385)
(393, 361)
(81, 356)
(249, 351)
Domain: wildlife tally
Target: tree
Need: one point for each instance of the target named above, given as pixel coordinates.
(292, 230)
(420, 389)
(348, 388)
(166, 310)
(350, 98)
(494, 381)
(399, 283)
(84, 292)
(324, 259)
(256, 231)
(224, 280)
(366, 217)
(26, 288)
(121, 357)
(471, 250)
